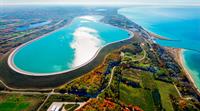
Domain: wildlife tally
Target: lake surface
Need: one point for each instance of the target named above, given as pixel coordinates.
(33, 25)
(68, 47)
(181, 24)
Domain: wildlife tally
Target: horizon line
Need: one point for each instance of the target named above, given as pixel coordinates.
(103, 4)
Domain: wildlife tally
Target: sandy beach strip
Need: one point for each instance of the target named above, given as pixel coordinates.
(177, 54)
(154, 35)
(187, 73)
(158, 36)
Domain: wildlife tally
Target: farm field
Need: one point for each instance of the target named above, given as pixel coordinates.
(18, 102)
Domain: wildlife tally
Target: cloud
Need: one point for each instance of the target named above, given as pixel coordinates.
(90, 18)
(86, 43)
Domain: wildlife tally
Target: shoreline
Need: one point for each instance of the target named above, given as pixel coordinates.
(177, 53)
(15, 68)
(156, 36)
(187, 73)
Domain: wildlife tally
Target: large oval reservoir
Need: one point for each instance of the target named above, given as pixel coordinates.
(67, 48)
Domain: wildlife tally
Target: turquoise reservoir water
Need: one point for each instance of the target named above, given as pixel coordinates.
(181, 24)
(68, 47)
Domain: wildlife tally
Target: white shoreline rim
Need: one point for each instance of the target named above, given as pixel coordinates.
(11, 64)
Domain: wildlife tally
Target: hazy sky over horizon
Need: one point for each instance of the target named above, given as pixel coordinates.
(119, 2)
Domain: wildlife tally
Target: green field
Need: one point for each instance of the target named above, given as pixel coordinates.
(136, 96)
(143, 96)
(165, 90)
(18, 102)
(71, 107)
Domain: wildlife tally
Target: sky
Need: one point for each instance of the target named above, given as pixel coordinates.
(103, 2)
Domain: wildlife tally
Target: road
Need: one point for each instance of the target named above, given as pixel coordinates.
(21, 90)
(111, 77)
(49, 94)
(177, 90)
(143, 57)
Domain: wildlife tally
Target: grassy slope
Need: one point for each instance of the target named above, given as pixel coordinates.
(143, 97)
(165, 90)
(136, 96)
(17, 102)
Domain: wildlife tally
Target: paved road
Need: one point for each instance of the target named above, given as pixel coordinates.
(49, 94)
(142, 58)
(177, 90)
(111, 77)
(30, 93)
(10, 88)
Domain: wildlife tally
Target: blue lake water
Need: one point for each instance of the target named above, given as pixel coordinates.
(68, 47)
(34, 25)
(181, 24)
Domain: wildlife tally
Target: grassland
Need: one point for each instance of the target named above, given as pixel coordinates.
(143, 96)
(71, 107)
(18, 102)
(166, 89)
(136, 96)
